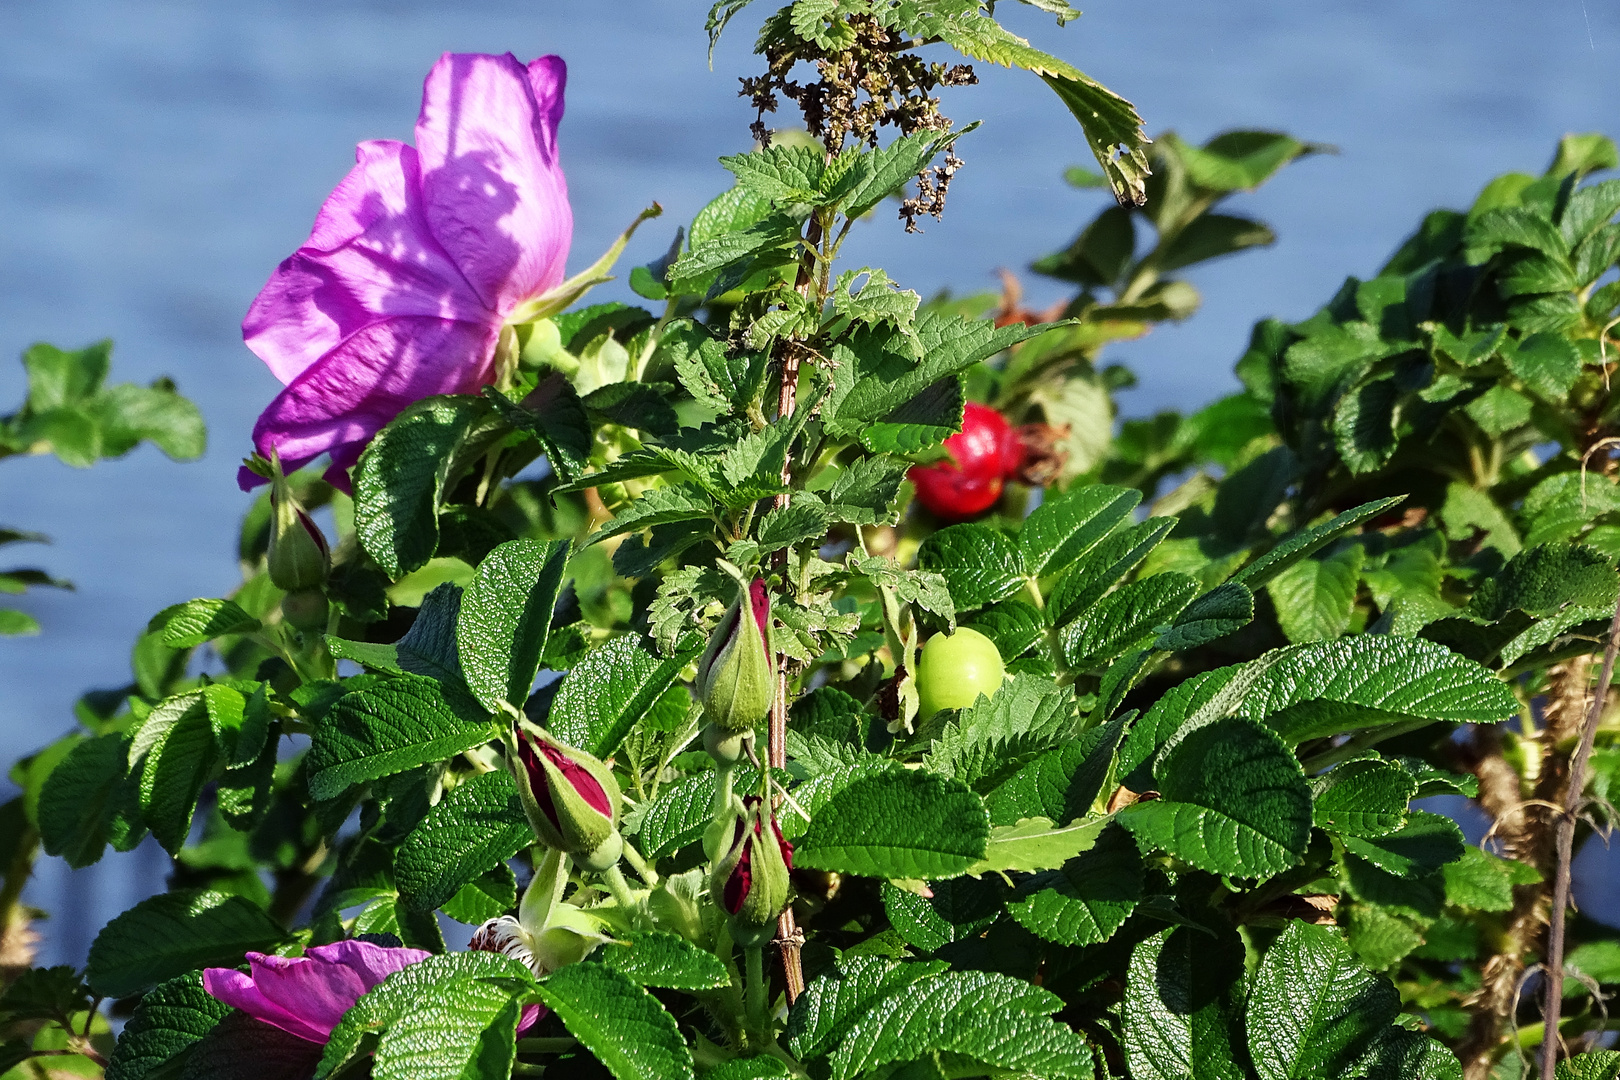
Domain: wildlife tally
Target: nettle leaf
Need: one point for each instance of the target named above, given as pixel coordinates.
(899, 824)
(805, 518)
(476, 827)
(1363, 798)
(167, 935)
(400, 480)
(1183, 1007)
(926, 420)
(505, 616)
(1234, 801)
(1315, 597)
(1302, 545)
(993, 1019)
(196, 621)
(607, 692)
(1223, 610)
(1087, 580)
(824, 1013)
(878, 300)
(1035, 844)
(1485, 882)
(864, 491)
(1027, 713)
(1314, 1011)
(84, 804)
(1062, 529)
(169, 1020)
(1063, 782)
(783, 174)
(381, 730)
(1088, 899)
(555, 416)
(980, 564)
(401, 994)
(1421, 846)
(1125, 619)
(624, 1026)
(1012, 625)
(875, 176)
(721, 380)
(923, 588)
(737, 250)
(958, 910)
(658, 958)
(660, 506)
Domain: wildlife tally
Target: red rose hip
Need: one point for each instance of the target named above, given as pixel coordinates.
(983, 454)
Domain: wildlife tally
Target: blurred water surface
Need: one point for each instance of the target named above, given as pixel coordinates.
(159, 157)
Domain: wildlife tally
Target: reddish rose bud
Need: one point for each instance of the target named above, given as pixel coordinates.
(750, 883)
(571, 798)
(736, 676)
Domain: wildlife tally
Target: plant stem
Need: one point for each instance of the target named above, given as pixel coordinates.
(640, 865)
(756, 991)
(620, 888)
(1566, 845)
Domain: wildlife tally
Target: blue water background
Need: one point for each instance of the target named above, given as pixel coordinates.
(157, 159)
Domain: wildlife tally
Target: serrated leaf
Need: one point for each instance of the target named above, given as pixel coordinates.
(1012, 625)
(605, 694)
(82, 802)
(813, 796)
(240, 1045)
(1591, 1065)
(619, 1022)
(878, 300)
(1301, 545)
(1315, 597)
(1233, 801)
(727, 382)
(1088, 899)
(1424, 844)
(505, 616)
(958, 909)
(899, 824)
(196, 621)
(1062, 529)
(167, 935)
(1183, 1007)
(980, 564)
(878, 174)
(490, 894)
(736, 249)
(1363, 798)
(1063, 782)
(926, 420)
(478, 825)
(400, 480)
(1088, 579)
(385, 729)
(803, 519)
(1035, 844)
(1026, 714)
(1125, 618)
(1223, 610)
(864, 491)
(678, 814)
(822, 1015)
(1485, 882)
(169, 1020)
(660, 506)
(642, 407)
(554, 414)
(658, 958)
(174, 751)
(459, 1031)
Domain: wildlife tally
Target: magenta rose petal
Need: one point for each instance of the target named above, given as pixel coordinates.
(493, 191)
(370, 255)
(373, 963)
(238, 991)
(316, 991)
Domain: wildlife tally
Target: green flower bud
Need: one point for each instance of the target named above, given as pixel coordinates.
(548, 933)
(736, 676)
(571, 798)
(298, 559)
(306, 609)
(751, 882)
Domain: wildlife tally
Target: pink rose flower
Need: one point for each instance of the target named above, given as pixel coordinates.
(307, 995)
(415, 262)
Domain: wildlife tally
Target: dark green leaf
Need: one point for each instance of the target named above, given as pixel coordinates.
(386, 729)
(504, 618)
(168, 935)
(1182, 1012)
(623, 1025)
(658, 958)
(606, 693)
(1222, 610)
(169, 1020)
(1302, 545)
(980, 564)
(1065, 527)
(899, 824)
(478, 825)
(1087, 900)
(400, 481)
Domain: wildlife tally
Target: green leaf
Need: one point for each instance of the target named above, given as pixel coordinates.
(1313, 1011)
(167, 935)
(1485, 882)
(1209, 236)
(554, 414)
(1424, 844)
(1241, 160)
(169, 1020)
(14, 623)
(82, 804)
(476, 827)
(385, 729)
(606, 693)
(1302, 545)
(900, 824)
(461, 1031)
(130, 413)
(1035, 844)
(659, 506)
(1221, 611)
(1591, 1065)
(1062, 529)
(980, 564)
(504, 618)
(783, 174)
(490, 894)
(880, 173)
(1182, 1010)
(958, 910)
(1012, 625)
(1500, 410)
(623, 1025)
(1114, 131)
(1085, 582)
(1124, 619)
(643, 407)
(658, 958)
(721, 380)
(1063, 782)
(926, 420)
(1088, 899)
(196, 621)
(994, 1019)
(865, 490)
(57, 377)
(738, 249)
(1234, 801)
(878, 300)
(823, 1014)
(400, 480)
(1363, 798)
(175, 752)
(1315, 597)
(804, 519)
(1026, 713)
(241, 1045)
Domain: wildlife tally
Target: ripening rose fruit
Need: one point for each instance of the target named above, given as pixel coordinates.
(954, 669)
(983, 455)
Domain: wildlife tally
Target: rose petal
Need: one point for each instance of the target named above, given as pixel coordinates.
(346, 397)
(370, 255)
(317, 992)
(238, 991)
(492, 190)
(530, 1016)
(373, 963)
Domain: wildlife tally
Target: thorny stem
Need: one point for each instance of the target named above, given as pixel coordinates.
(1566, 844)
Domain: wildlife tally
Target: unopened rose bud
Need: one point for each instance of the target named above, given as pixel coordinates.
(736, 676)
(751, 882)
(571, 798)
(298, 559)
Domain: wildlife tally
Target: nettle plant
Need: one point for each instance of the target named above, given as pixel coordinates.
(1108, 781)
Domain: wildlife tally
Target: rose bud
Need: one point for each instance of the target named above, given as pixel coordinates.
(751, 882)
(571, 798)
(298, 559)
(548, 932)
(736, 676)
